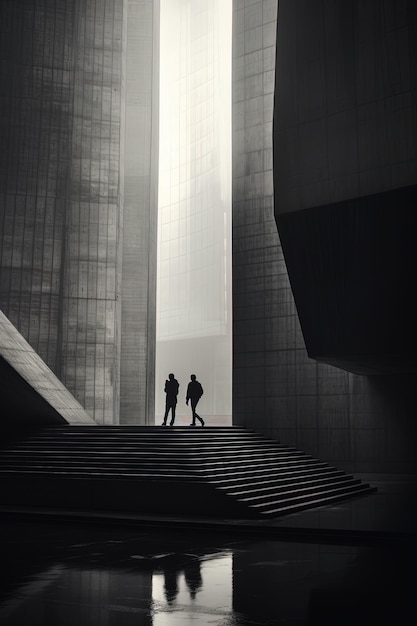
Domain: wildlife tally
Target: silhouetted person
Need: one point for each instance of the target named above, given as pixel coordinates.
(171, 584)
(194, 393)
(192, 575)
(171, 390)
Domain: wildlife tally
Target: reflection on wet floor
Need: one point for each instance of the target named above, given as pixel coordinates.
(82, 575)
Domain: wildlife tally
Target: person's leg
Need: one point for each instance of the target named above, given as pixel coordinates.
(193, 405)
(172, 414)
(164, 423)
(196, 414)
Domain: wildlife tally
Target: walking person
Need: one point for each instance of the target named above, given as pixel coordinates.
(171, 390)
(194, 393)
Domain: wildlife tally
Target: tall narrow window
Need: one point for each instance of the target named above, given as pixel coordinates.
(194, 229)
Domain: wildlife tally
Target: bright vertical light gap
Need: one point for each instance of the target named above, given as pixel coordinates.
(194, 207)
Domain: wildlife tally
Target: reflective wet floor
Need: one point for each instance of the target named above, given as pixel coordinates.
(80, 574)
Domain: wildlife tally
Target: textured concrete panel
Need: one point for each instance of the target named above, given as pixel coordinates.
(36, 92)
(90, 361)
(341, 297)
(140, 211)
(61, 192)
(346, 97)
(351, 136)
(326, 411)
(32, 395)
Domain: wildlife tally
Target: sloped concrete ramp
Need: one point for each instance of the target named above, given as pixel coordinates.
(32, 395)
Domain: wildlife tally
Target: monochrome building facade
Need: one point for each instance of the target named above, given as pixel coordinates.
(324, 162)
(324, 182)
(78, 200)
(194, 237)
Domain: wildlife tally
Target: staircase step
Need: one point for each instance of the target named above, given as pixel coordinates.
(266, 490)
(120, 465)
(283, 476)
(294, 491)
(206, 462)
(157, 443)
(88, 472)
(136, 451)
(303, 498)
(232, 472)
(318, 501)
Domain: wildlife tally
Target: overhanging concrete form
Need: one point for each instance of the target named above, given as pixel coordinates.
(345, 183)
(31, 393)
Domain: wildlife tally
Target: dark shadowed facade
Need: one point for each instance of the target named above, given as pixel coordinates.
(341, 187)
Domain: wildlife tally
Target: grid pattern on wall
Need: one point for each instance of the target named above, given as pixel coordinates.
(91, 298)
(359, 423)
(36, 86)
(194, 190)
(140, 211)
(262, 336)
(194, 232)
(63, 89)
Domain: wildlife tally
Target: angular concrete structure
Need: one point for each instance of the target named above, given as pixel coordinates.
(32, 396)
(345, 165)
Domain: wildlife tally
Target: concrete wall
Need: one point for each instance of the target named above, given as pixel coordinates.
(92, 257)
(63, 86)
(345, 138)
(346, 100)
(363, 424)
(36, 91)
(260, 283)
(140, 213)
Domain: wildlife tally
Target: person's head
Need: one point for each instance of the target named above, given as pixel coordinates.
(171, 377)
(193, 377)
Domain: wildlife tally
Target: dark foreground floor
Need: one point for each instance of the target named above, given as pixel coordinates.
(77, 574)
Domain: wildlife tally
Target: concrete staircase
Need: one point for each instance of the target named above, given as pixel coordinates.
(210, 471)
